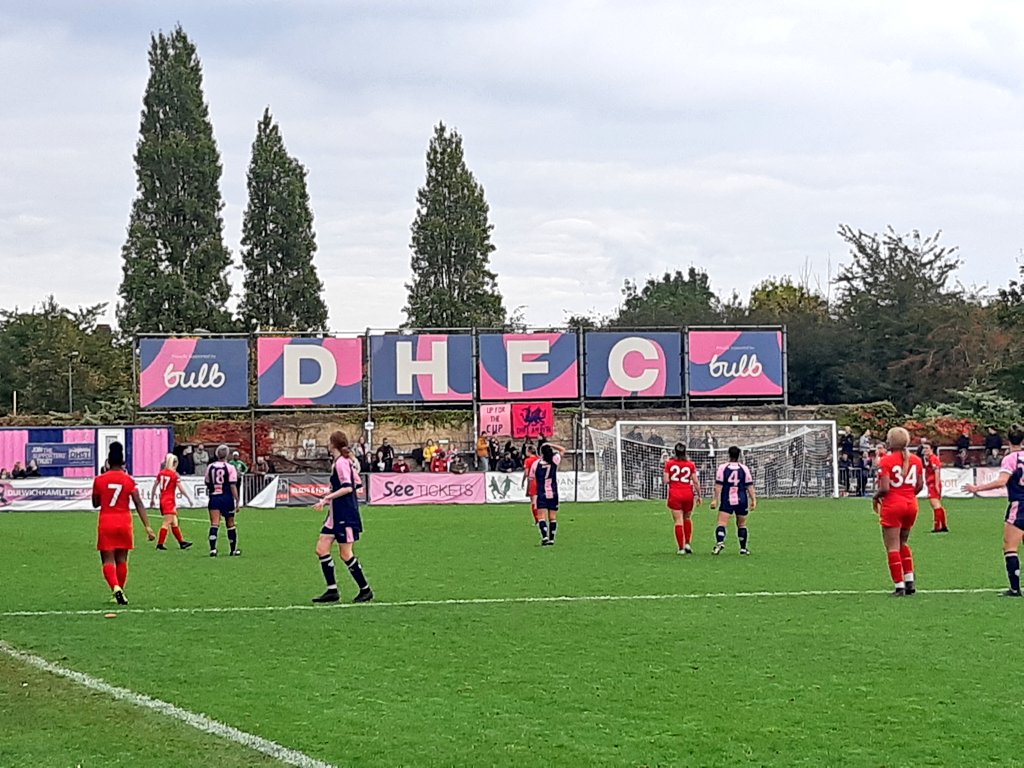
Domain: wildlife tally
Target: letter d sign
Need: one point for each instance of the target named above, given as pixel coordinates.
(293, 356)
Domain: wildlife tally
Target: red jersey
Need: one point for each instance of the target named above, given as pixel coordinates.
(531, 485)
(932, 465)
(900, 484)
(682, 476)
(168, 480)
(114, 490)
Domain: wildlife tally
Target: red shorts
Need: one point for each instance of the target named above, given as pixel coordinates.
(934, 492)
(115, 536)
(168, 508)
(898, 512)
(681, 502)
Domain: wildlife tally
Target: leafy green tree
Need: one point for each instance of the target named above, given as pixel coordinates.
(452, 283)
(281, 289)
(40, 346)
(815, 341)
(175, 262)
(1008, 311)
(897, 306)
(673, 299)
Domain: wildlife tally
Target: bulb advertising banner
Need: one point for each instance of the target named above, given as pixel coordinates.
(633, 364)
(735, 363)
(528, 366)
(194, 373)
(308, 371)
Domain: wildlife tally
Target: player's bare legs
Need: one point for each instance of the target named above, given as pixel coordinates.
(1012, 536)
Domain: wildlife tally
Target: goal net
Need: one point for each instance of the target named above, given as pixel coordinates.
(787, 458)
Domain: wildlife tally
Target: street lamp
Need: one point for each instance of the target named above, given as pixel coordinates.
(72, 356)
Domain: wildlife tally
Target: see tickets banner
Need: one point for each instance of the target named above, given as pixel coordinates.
(735, 363)
(427, 488)
(194, 373)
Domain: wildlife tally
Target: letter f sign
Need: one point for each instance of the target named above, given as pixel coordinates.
(517, 350)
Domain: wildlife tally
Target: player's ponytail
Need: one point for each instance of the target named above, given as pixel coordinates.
(170, 461)
(115, 455)
(680, 450)
(898, 440)
(339, 442)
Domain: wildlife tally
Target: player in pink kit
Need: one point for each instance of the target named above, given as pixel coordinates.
(734, 495)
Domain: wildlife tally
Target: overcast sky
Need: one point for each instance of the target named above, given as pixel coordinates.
(613, 139)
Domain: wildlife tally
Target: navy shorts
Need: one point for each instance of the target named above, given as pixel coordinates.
(1015, 514)
(551, 505)
(734, 509)
(343, 531)
(227, 511)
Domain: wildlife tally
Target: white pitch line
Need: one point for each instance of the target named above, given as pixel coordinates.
(193, 719)
(494, 601)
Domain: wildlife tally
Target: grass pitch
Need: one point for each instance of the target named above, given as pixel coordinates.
(705, 677)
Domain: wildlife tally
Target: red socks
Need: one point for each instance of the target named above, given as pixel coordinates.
(177, 534)
(680, 537)
(162, 537)
(896, 567)
(907, 558)
(122, 574)
(688, 529)
(940, 517)
(110, 574)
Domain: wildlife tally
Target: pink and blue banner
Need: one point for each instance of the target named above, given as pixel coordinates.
(425, 368)
(735, 364)
(194, 373)
(299, 371)
(637, 364)
(528, 366)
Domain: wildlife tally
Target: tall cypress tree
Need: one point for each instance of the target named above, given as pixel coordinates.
(175, 262)
(452, 283)
(281, 289)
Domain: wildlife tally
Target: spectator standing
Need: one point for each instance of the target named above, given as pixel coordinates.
(846, 442)
(18, 471)
(505, 463)
(865, 443)
(483, 453)
(187, 465)
(439, 461)
(993, 447)
(32, 470)
(387, 454)
(963, 454)
(200, 460)
(240, 466)
(362, 453)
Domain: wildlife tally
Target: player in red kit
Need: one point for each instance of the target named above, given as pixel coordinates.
(683, 494)
(900, 479)
(111, 492)
(168, 484)
(530, 484)
(933, 482)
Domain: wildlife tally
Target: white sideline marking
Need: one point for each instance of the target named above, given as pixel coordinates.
(496, 601)
(197, 721)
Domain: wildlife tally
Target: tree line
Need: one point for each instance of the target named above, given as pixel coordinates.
(892, 325)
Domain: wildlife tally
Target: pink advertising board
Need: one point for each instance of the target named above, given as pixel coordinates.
(428, 488)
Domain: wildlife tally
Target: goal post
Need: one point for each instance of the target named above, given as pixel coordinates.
(788, 458)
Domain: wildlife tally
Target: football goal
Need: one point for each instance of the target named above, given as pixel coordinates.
(787, 458)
